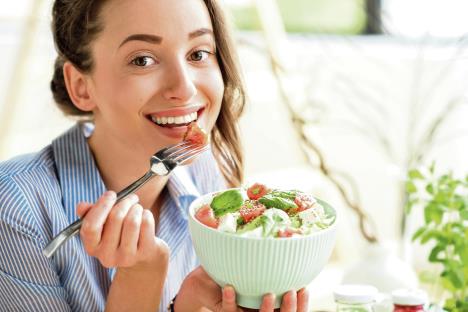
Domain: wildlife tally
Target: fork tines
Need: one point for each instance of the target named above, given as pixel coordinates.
(190, 153)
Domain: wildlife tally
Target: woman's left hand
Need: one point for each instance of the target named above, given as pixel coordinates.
(199, 290)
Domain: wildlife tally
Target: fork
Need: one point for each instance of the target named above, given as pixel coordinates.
(161, 164)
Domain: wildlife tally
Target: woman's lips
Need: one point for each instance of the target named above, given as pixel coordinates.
(174, 130)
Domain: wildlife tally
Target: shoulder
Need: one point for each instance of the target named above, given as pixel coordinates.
(24, 181)
(23, 164)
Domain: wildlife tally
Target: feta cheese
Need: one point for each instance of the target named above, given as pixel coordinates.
(228, 222)
(311, 215)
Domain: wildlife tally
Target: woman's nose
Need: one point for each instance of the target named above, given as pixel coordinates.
(179, 84)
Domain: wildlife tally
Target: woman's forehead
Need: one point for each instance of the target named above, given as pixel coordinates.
(164, 18)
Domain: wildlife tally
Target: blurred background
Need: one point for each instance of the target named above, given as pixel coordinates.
(345, 96)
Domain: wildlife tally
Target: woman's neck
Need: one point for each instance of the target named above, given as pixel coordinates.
(119, 166)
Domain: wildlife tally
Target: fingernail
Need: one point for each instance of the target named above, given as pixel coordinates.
(228, 292)
(110, 194)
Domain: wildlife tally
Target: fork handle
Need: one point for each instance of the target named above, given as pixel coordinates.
(74, 228)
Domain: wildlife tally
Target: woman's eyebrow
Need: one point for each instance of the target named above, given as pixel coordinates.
(158, 39)
(200, 32)
(142, 37)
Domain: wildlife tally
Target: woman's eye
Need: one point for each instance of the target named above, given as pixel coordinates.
(142, 61)
(199, 55)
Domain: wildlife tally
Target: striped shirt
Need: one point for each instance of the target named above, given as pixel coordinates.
(38, 197)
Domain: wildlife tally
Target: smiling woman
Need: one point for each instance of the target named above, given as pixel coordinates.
(140, 73)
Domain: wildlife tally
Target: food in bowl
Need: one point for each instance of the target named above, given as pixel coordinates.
(256, 264)
(263, 212)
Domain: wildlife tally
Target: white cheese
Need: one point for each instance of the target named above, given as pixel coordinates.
(228, 222)
(311, 215)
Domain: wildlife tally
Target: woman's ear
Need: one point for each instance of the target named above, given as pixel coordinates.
(77, 87)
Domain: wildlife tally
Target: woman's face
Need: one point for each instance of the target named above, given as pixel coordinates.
(155, 71)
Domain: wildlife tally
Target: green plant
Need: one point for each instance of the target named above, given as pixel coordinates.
(444, 199)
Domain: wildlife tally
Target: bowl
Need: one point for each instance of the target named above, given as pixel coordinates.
(257, 266)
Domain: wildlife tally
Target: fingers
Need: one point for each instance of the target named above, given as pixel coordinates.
(289, 302)
(147, 232)
(268, 303)
(229, 299)
(93, 223)
(113, 227)
(130, 235)
(302, 300)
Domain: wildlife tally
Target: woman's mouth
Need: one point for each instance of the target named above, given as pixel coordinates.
(174, 123)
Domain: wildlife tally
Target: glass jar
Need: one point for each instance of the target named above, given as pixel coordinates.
(354, 298)
(409, 300)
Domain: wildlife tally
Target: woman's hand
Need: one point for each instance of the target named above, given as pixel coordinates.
(122, 235)
(199, 291)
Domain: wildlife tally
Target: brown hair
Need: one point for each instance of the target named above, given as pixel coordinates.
(75, 24)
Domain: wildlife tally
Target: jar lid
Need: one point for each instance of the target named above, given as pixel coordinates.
(355, 293)
(409, 297)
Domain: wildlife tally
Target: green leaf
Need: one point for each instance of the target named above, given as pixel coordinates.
(430, 188)
(410, 187)
(418, 233)
(447, 282)
(450, 304)
(228, 201)
(271, 201)
(426, 236)
(441, 197)
(464, 215)
(285, 194)
(434, 255)
(433, 213)
(415, 174)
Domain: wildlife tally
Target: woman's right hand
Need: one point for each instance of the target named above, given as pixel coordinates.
(122, 235)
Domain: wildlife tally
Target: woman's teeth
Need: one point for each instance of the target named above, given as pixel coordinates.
(176, 120)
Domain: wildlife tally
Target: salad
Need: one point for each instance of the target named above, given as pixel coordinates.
(263, 212)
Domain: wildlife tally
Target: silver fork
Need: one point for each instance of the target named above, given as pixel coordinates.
(161, 164)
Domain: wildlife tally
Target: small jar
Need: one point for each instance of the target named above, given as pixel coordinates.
(355, 298)
(409, 300)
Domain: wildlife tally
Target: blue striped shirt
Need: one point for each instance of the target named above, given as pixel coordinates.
(38, 197)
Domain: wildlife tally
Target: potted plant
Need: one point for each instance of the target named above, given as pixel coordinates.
(444, 200)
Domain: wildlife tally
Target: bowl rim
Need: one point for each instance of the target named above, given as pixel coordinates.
(191, 214)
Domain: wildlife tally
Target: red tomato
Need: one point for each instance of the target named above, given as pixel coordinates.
(195, 134)
(303, 202)
(251, 210)
(256, 191)
(288, 232)
(206, 216)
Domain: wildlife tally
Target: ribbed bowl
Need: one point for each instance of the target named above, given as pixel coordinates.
(256, 266)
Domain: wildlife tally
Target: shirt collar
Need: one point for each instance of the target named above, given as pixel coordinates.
(77, 171)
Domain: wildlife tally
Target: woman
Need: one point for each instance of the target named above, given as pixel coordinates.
(140, 70)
